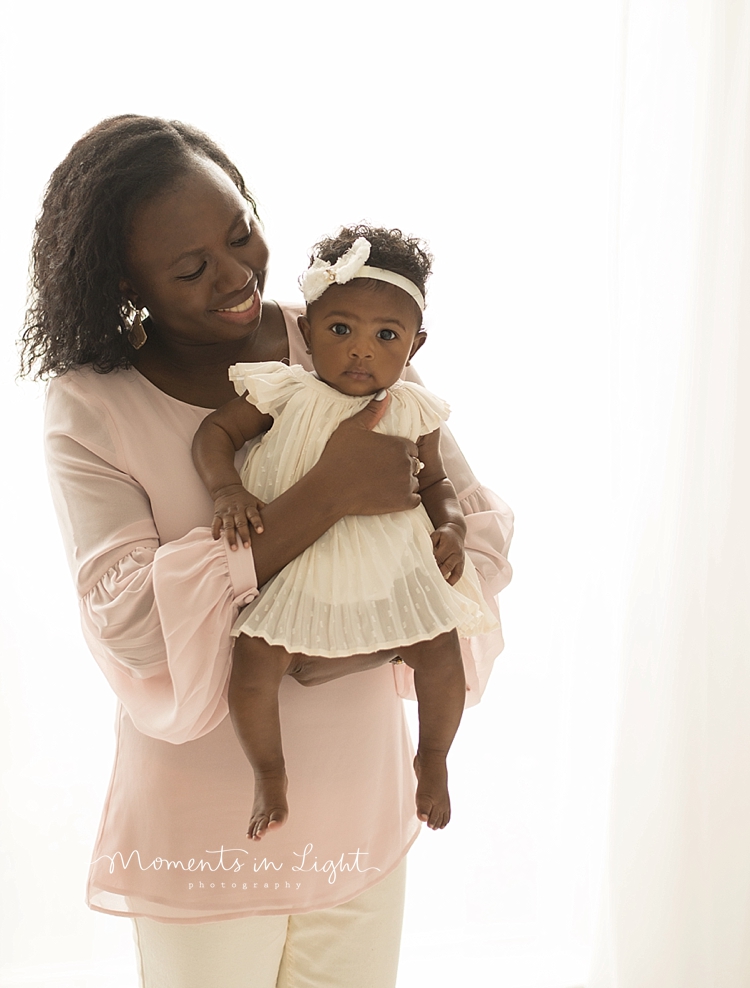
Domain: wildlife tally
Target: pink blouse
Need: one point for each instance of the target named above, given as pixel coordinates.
(158, 597)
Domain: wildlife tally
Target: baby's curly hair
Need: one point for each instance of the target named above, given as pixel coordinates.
(75, 312)
(389, 249)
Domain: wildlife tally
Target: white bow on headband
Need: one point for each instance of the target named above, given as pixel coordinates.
(322, 274)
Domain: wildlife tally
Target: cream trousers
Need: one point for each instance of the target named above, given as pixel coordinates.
(354, 945)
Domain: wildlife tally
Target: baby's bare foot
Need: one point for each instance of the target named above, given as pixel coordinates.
(270, 808)
(433, 802)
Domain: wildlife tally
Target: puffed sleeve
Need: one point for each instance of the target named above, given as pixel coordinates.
(489, 530)
(156, 617)
(267, 384)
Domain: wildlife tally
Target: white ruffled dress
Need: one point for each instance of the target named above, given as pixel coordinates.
(371, 581)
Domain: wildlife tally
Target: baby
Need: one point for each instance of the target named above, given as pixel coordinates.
(372, 582)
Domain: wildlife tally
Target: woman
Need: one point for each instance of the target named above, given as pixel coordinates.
(149, 215)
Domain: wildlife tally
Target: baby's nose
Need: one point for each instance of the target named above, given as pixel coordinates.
(361, 348)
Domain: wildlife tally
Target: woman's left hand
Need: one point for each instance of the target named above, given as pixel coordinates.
(313, 670)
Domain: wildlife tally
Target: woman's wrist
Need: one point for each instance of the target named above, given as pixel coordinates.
(316, 670)
(325, 489)
(293, 521)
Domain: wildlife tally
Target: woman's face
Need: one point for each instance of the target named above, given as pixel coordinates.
(196, 259)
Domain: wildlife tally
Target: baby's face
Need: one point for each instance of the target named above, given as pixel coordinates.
(362, 334)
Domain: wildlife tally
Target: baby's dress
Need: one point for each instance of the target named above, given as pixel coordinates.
(371, 581)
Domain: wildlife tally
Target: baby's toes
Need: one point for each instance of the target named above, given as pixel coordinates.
(438, 818)
(258, 826)
(424, 808)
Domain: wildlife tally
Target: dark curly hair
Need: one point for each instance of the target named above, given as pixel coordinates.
(75, 312)
(389, 249)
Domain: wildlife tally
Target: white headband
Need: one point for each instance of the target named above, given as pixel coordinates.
(321, 274)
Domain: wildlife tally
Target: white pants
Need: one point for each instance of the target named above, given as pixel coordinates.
(354, 945)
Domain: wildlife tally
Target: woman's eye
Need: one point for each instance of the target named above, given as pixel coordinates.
(241, 241)
(386, 334)
(194, 275)
(340, 329)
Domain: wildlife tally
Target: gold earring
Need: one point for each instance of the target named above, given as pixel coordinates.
(136, 333)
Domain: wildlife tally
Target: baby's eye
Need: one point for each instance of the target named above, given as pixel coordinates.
(340, 329)
(386, 334)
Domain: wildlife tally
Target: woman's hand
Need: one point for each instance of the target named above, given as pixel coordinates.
(234, 507)
(371, 473)
(312, 670)
(359, 473)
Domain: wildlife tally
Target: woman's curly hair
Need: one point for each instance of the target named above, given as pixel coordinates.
(76, 311)
(389, 249)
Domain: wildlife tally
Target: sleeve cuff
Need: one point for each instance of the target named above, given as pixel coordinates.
(242, 575)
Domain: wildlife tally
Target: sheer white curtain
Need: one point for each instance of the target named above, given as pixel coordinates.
(676, 910)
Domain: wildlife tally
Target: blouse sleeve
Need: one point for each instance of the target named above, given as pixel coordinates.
(489, 530)
(156, 617)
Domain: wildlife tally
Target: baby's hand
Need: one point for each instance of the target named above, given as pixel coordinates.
(448, 546)
(234, 507)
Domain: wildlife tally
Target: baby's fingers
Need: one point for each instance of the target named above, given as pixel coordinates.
(447, 566)
(230, 525)
(457, 569)
(228, 529)
(442, 547)
(242, 529)
(450, 561)
(253, 515)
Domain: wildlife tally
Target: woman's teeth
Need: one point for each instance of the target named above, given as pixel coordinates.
(242, 307)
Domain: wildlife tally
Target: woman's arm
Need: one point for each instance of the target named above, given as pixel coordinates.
(312, 670)
(158, 617)
(359, 473)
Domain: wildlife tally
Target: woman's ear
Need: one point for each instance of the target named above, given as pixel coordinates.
(303, 325)
(419, 341)
(129, 293)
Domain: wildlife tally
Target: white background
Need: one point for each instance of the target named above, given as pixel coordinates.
(489, 130)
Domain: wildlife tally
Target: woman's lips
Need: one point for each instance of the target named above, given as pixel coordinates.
(244, 312)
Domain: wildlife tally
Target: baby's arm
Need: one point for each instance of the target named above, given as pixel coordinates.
(441, 503)
(219, 437)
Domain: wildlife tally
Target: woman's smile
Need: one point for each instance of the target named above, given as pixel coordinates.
(243, 313)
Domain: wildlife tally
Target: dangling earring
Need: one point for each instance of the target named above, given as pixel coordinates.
(136, 333)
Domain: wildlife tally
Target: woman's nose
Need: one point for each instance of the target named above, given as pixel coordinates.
(232, 276)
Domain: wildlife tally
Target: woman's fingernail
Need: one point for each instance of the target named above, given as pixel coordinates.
(380, 395)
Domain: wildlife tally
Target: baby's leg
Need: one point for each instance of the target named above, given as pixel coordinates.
(257, 670)
(441, 692)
